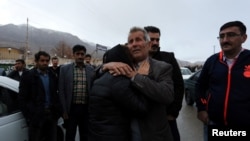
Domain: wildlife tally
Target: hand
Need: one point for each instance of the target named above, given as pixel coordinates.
(170, 117)
(65, 115)
(117, 68)
(203, 116)
(144, 68)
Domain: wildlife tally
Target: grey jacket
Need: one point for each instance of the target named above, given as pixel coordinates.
(154, 126)
(66, 84)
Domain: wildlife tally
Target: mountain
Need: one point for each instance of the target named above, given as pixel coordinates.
(46, 39)
(38, 39)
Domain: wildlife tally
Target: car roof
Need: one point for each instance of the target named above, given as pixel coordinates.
(9, 83)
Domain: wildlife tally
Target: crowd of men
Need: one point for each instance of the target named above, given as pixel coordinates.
(137, 93)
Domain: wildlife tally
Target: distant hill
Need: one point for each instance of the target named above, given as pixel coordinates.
(46, 39)
(38, 39)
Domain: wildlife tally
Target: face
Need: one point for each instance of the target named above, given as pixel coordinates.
(138, 47)
(87, 59)
(55, 62)
(79, 56)
(155, 41)
(19, 66)
(43, 62)
(231, 39)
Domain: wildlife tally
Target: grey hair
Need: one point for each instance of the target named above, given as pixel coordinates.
(136, 29)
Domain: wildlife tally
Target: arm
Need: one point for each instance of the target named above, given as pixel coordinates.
(201, 94)
(175, 107)
(24, 95)
(127, 97)
(61, 89)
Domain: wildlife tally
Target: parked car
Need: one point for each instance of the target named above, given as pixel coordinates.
(186, 73)
(190, 87)
(13, 126)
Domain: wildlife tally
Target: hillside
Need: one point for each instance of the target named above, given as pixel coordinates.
(38, 39)
(46, 39)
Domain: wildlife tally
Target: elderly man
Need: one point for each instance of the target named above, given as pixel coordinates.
(151, 77)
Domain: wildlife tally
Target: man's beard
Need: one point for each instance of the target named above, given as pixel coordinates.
(154, 49)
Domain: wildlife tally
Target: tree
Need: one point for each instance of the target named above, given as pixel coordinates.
(63, 50)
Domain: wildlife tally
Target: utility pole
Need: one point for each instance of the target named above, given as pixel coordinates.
(214, 49)
(27, 45)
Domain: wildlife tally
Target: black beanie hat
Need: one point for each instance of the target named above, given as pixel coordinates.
(118, 53)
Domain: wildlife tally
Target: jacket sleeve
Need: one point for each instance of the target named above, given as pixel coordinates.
(201, 88)
(128, 98)
(157, 86)
(24, 95)
(61, 88)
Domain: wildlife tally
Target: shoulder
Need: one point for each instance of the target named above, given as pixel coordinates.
(212, 58)
(159, 63)
(65, 66)
(166, 53)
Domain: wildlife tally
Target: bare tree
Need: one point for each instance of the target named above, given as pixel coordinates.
(63, 50)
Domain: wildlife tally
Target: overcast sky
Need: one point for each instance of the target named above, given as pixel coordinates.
(189, 27)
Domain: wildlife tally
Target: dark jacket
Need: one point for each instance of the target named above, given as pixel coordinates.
(66, 84)
(168, 57)
(32, 96)
(15, 74)
(113, 102)
(224, 92)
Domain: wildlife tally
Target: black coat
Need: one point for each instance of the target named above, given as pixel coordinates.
(32, 96)
(176, 105)
(15, 74)
(113, 101)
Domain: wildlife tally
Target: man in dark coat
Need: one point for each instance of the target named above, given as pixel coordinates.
(19, 70)
(39, 100)
(168, 57)
(74, 86)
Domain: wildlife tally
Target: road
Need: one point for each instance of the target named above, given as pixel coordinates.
(191, 129)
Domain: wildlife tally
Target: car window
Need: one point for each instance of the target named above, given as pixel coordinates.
(8, 101)
(185, 71)
(196, 76)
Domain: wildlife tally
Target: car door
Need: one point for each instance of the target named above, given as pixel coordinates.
(13, 126)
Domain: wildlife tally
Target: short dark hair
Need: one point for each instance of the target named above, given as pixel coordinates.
(238, 24)
(88, 55)
(41, 53)
(79, 48)
(152, 29)
(20, 60)
(54, 58)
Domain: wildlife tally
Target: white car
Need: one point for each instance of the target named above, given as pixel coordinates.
(13, 126)
(186, 73)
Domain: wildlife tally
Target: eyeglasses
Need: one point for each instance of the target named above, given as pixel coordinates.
(155, 39)
(228, 35)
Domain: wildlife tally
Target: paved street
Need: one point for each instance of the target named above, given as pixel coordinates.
(191, 129)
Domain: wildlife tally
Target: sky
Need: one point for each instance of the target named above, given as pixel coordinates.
(188, 27)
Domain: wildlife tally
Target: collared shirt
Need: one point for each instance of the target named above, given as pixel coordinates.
(45, 80)
(80, 86)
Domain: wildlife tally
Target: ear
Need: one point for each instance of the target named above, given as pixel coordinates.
(244, 38)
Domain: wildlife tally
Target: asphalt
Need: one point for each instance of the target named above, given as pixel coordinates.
(190, 128)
